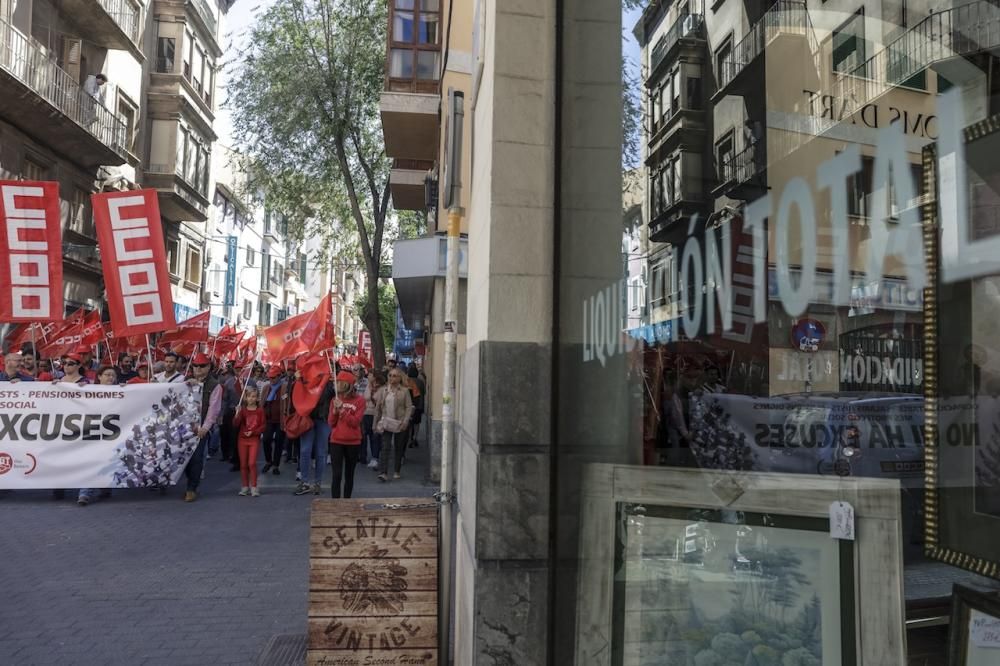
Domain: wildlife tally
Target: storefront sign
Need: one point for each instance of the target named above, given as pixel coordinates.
(373, 583)
(69, 436)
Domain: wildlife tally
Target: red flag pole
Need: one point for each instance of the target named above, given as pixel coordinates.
(239, 405)
(149, 360)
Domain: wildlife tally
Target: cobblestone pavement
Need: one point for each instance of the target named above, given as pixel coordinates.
(143, 578)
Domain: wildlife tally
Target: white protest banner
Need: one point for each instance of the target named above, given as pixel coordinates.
(60, 435)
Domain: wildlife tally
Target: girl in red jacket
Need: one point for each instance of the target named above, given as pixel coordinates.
(346, 413)
(249, 424)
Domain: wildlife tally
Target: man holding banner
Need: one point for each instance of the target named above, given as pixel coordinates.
(211, 406)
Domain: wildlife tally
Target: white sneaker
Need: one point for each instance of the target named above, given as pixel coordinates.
(255, 492)
(244, 491)
(298, 477)
(373, 464)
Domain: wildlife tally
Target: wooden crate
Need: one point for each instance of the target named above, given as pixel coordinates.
(372, 583)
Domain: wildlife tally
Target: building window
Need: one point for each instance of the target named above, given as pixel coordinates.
(193, 273)
(415, 51)
(264, 316)
(32, 170)
(725, 148)
(675, 91)
(173, 257)
(165, 49)
(849, 45)
(724, 61)
(247, 309)
(278, 273)
(251, 256)
(129, 112)
(79, 216)
(694, 92)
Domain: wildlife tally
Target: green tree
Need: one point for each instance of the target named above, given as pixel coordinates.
(387, 311)
(304, 98)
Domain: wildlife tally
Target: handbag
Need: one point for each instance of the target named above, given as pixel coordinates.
(297, 425)
(390, 425)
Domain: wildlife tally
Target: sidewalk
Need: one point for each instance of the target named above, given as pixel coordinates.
(148, 579)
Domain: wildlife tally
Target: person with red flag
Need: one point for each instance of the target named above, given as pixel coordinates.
(211, 406)
(274, 408)
(311, 396)
(249, 423)
(346, 413)
(170, 372)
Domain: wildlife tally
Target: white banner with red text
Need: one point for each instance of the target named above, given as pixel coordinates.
(60, 435)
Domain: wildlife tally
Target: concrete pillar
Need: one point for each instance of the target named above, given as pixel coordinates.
(502, 565)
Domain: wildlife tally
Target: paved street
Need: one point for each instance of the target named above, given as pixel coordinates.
(147, 579)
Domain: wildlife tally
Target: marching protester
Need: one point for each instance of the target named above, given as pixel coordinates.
(231, 391)
(292, 444)
(170, 372)
(106, 376)
(392, 417)
(73, 370)
(249, 423)
(211, 407)
(417, 388)
(374, 389)
(13, 370)
(141, 374)
(274, 410)
(315, 443)
(87, 368)
(346, 413)
(125, 371)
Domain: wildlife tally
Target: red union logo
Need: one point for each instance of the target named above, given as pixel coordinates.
(6, 462)
(292, 335)
(29, 266)
(136, 270)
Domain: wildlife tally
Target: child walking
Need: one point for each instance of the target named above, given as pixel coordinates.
(249, 424)
(346, 413)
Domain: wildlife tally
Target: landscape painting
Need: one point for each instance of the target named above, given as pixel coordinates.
(728, 589)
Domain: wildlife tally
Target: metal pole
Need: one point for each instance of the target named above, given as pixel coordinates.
(453, 189)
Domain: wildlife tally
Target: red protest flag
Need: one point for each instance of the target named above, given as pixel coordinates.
(31, 277)
(315, 372)
(223, 346)
(22, 333)
(64, 337)
(92, 330)
(309, 331)
(130, 236)
(193, 329)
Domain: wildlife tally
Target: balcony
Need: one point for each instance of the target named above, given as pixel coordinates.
(688, 27)
(416, 264)
(268, 287)
(47, 103)
(180, 201)
(946, 35)
(743, 175)
(113, 24)
(785, 33)
(204, 14)
(409, 106)
(407, 184)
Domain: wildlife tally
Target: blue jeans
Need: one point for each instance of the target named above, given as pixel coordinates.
(315, 439)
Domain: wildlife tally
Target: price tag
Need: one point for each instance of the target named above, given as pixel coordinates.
(842, 521)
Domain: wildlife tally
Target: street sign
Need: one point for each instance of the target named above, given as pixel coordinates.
(373, 587)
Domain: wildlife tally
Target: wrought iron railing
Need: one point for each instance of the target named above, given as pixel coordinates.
(207, 17)
(948, 33)
(686, 25)
(746, 166)
(31, 66)
(126, 14)
(784, 17)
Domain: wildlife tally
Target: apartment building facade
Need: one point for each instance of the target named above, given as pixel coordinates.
(796, 298)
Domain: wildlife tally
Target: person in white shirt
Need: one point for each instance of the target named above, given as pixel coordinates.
(170, 373)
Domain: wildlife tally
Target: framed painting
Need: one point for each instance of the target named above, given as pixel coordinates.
(696, 566)
(974, 634)
(962, 360)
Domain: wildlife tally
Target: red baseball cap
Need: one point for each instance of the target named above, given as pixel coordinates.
(345, 376)
(201, 359)
(275, 371)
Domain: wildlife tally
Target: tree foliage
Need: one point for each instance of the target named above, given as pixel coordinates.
(304, 98)
(387, 311)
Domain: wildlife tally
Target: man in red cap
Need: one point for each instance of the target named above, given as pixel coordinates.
(211, 406)
(142, 374)
(87, 369)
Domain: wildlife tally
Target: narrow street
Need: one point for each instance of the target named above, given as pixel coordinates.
(147, 579)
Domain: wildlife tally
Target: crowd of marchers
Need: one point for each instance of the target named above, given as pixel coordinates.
(361, 416)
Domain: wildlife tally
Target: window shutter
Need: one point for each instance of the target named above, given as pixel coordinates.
(72, 49)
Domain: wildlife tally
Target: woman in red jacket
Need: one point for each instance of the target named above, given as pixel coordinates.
(346, 413)
(249, 424)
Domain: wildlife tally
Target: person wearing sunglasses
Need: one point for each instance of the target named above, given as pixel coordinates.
(73, 370)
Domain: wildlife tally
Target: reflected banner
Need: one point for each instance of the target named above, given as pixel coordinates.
(55, 435)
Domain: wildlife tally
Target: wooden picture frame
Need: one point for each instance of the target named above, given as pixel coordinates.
(868, 568)
(957, 530)
(965, 604)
